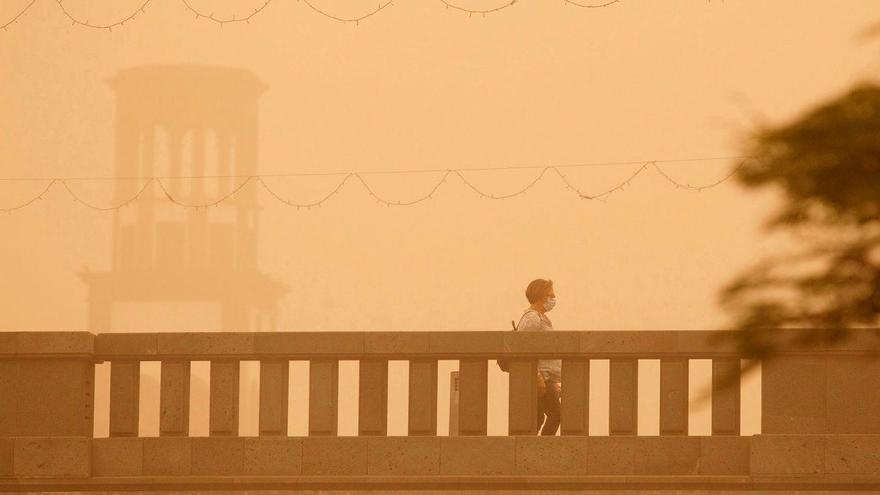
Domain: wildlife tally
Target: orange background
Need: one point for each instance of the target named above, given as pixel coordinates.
(422, 87)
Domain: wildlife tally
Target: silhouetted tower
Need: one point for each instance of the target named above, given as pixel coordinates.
(179, 121)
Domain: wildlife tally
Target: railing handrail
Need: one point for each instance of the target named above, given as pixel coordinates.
(591, 344)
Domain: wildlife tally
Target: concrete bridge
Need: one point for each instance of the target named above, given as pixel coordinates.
(820, 415)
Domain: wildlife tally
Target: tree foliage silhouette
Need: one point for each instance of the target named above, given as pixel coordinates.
(827, 165)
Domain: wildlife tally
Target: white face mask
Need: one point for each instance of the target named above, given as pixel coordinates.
(549, 303)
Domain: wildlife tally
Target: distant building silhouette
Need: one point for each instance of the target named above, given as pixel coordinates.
(184, 121)
(162, 251)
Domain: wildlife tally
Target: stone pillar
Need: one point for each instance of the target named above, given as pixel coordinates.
(623, 397)
(125, 382)
(852, 384)
(423, 397)
(373, 398)
(323, 396)
(47, 384)
(174, 399)
(9, 388)
(224, 398)
(274, 385)
(725, 396)
(523, 397)
(473, 392)
(674, 396)
(793, 394)
(575, 397)
(822, 393)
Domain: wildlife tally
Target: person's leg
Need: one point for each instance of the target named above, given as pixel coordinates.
(552, 408)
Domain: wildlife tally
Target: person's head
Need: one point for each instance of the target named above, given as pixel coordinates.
(541, 295)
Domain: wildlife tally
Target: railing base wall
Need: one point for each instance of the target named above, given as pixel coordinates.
(629, 485)
(777, 462)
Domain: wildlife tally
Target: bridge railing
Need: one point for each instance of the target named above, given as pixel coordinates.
(373, 350)
(812, 396)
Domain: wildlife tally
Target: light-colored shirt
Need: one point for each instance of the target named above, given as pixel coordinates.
(533, 321)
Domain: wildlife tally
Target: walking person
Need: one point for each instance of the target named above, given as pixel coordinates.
(541, 299)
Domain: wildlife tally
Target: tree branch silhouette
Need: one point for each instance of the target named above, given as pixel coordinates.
(827, 165)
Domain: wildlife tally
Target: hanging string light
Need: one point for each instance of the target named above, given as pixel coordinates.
(201, 15)
(591, 5)
(108, 26)
(355, 20)
(236, 18)
(483, 12)
(93, 206)
(202, 205)
(17, 16)
(641, 168)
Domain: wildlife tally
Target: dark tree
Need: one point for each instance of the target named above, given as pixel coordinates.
(827, 165)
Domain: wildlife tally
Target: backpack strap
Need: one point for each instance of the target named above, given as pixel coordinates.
(523, 316)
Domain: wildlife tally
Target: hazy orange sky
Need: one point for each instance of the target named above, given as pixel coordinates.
(419, 86)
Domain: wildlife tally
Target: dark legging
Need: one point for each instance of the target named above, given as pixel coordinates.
(549, 407)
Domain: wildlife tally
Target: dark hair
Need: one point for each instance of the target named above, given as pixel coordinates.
(536, 289)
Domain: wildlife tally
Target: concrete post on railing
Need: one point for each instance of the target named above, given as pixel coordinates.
(125, 382)
(373, 398)
(725, 396)
(225, 377)
(422, 397)
(674, 396)
(46, 403)
(623, 393)
(822, 388)
(274, 385)
(522, 397)
(576, 397)
(174, 399)
(323, 396)
(473, 396)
